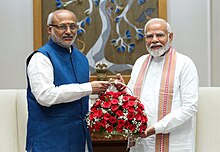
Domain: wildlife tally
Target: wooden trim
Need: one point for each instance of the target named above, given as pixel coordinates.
(162, 9)
(37, 19)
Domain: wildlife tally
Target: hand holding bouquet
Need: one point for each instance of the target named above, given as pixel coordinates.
(117, 113)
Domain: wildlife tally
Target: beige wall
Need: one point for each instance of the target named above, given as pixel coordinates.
(16, 41)
(215, 43)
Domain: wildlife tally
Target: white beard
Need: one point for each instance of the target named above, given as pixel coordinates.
(158, 52)
(59, 40)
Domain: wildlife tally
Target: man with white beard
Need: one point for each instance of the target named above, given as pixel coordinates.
(166, 82)
(58, 91)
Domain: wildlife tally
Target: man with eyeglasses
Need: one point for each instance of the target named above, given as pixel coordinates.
(58, 91)
(166, 82)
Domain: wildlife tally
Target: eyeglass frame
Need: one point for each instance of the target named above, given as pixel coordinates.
(64, 27)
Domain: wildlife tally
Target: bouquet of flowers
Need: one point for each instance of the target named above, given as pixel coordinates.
(117, 114)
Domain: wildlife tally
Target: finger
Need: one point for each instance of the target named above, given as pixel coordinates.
(118, 76)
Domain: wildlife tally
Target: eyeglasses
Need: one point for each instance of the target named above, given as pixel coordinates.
(64, 27)
(158, 36)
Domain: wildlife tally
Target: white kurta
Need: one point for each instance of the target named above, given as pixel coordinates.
(180, 123)
(40, 73)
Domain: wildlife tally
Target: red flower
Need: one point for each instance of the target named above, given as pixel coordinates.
(91, 117)
(110, 93)
(107, 116)
(106, 105)
(112, 120)
(110, 128)
(131, 127)
(126, 124)
(125, 98)
(97, 113)
(121, 122)
(144, 119)
(138, 117)
(117, 113)
(114, 108)
(130, 116)
(114, 101)
(119, 128)
(125, 105)
(97, 126)
(132, 98)
(130, 109)
(142, 128)
(131, 103)
(103, 123)
(97, 103)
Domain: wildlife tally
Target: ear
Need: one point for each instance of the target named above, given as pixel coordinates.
(49, 28)
(171, 37)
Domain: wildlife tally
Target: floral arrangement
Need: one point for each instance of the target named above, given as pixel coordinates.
(117, 113)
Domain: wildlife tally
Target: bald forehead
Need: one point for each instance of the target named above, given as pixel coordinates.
(156, 24)
(63, 14)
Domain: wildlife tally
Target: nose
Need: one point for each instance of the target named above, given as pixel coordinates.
(155, 39)
(68, 30)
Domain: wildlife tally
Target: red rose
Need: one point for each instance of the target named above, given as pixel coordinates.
(130, 109)
(119, 113)
(110, 128)
(125, 105)
(144, 119)
(121, 122)
(119, 129)
(131, 127)
(142, 128)
(140, 106)
(140, 111)
(107, 116)
(110, 93)
(97, 113)
(132, 98)
(97, 103)
(103, 123)
(116, 95)
(126, 124)
(130, 116)
(91, 117)
(97, 126)
(93, 109)
(112, 120)
(114, 101)
(138, 117)
(131, 103)
(106, 105)
(114, 108)
(102, 97)
(125, 98)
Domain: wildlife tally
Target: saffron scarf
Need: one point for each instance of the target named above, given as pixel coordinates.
(165, 94)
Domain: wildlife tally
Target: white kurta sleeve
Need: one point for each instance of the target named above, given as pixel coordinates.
(189, 87)
(40, 74)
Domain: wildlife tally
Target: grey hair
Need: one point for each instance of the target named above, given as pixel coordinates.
(157, 19)
(49, 18)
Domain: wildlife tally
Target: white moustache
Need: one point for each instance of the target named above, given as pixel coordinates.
(155, 45)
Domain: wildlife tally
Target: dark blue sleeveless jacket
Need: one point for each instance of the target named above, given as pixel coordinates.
(61, 127)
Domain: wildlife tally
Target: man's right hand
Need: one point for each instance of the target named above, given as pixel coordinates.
(99, 87)
(120, 83)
